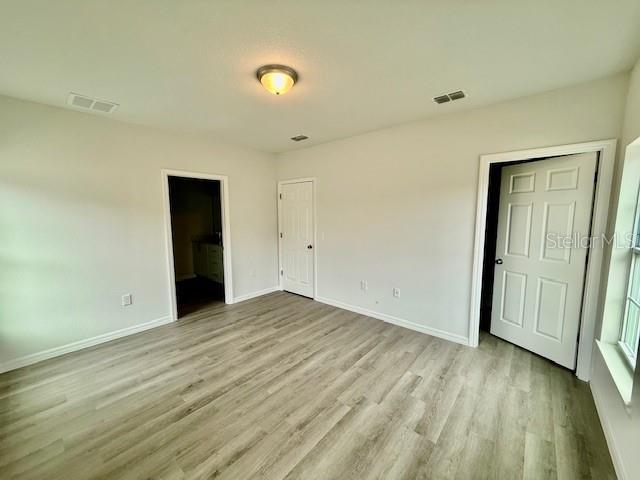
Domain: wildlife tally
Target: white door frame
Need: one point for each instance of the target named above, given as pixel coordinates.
(226, 233)
(606, 160)
(315, 230)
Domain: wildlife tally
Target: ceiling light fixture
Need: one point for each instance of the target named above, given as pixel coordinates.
(277, 79)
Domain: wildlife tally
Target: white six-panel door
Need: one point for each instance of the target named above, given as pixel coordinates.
(538, 283)
(297, 237)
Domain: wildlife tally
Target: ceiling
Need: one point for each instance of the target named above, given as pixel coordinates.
(190, 65)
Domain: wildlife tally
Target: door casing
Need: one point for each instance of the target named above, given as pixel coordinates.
(315, 231)
(606, 150)
(226, 233)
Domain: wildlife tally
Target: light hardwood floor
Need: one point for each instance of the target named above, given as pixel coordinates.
(284, 387)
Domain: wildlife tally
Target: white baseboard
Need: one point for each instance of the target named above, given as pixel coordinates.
(90, 342)
(608, 435)
(259, 293)
(80, 344)
(452, 337)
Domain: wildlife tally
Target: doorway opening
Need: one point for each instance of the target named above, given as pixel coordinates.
(535, 281)
(197, 241)
(534, 264)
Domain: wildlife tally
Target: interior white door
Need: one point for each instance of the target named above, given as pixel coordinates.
(545, 211)
(296, 237)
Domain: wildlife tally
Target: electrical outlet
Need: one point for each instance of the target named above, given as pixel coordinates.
(396, 292)
(364, 285)
(127, 300)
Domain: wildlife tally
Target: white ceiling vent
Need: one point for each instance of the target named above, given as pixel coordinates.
(299, 138)
(449, 97)
(442, 99)
(88, 103)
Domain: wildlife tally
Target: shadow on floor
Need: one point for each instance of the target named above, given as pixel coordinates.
(195, 293)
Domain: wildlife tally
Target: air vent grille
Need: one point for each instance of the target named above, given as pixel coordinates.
(449, 97)
(299, 138)
(89, 103)
(457, 95)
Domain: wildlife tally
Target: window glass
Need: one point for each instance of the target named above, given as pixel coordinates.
(629, 340)
(634, 281)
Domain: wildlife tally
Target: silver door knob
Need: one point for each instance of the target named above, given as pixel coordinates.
(499, 261)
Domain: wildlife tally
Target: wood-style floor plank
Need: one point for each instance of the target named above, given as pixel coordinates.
(283, 387)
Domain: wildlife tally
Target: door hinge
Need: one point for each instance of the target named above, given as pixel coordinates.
(281, 272)
(280, 234)
(280, 196)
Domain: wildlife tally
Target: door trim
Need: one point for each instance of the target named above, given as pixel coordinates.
(606, 159)
(226, 233)
(315, 230)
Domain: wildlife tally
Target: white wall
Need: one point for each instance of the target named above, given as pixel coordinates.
(81, 222)
(631, 127)
(396, 207)
(622, 425)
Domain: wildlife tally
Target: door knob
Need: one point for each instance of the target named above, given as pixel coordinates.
(309, 247)
(499, 261)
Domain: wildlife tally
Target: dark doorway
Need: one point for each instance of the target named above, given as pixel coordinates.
(491, 230)
(196, 230)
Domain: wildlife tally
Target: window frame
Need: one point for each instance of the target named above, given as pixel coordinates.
(630, 351)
